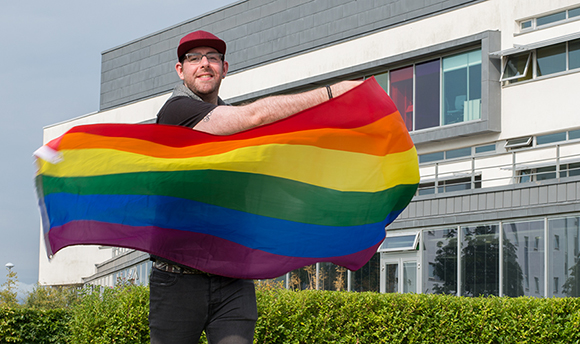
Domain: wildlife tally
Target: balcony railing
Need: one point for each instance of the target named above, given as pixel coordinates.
(534, 164)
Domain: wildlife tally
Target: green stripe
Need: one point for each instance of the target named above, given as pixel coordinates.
(252, 193)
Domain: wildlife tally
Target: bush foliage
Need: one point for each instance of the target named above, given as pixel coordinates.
(119, 315)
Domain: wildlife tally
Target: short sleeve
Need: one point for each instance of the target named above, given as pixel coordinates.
(184, 111)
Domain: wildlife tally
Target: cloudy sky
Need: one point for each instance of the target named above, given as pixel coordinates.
(50, 65)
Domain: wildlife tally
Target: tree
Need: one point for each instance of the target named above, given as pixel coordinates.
(9, 294)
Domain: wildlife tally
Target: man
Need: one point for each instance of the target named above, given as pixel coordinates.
(186, 301)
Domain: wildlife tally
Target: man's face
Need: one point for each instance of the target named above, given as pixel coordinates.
(204, 78)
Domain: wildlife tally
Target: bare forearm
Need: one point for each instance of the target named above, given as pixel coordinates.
(225, 120)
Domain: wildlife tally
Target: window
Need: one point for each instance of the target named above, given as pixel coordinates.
(538, 22)
(517, 67)
(423, 158)
(536, 174)
(574, 54)
(449, 185)
(519, 263)
(399, 242)
(557, 242)
(458, 153)
(551, 59)
(480, 260)
(526, 24)
(548, 172)
(402, 93)
(555, 58)
(440, 250)
(551, 18)
(556, 283)
(573, 134)
(550, 138)
(427, 81)
(570, 170)
(485, 149)
(418, 90)
(462, 87)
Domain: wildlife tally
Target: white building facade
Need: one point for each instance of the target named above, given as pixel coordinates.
(487, 89)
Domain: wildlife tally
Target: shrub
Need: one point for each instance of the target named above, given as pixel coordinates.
(30, 326)
(111, 315)
(119, 315)
(47, 297)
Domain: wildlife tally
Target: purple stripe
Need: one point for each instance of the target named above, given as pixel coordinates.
(201, 251)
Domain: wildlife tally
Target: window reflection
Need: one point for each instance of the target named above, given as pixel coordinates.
(523, 264)
(440, 250)
(564, 267)
(402, 93)
(480, 260)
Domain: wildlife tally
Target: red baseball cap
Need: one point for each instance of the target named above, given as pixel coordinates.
(200, 39)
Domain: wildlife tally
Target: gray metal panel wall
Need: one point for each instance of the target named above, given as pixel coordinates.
(257, 32)
(500, 203)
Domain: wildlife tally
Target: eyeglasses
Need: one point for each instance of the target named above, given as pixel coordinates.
(195, 58)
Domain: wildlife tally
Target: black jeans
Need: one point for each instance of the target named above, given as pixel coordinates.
(183, 305)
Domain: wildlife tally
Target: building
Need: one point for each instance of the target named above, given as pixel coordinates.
(487, 89)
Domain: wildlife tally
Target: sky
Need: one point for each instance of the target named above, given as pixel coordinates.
(50, 71)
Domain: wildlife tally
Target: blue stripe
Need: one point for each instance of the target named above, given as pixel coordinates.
(257, 232)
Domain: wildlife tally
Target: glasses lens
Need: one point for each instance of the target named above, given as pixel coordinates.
(214, 57)
(195, 58)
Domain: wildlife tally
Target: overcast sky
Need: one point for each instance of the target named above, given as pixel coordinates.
(50, 65)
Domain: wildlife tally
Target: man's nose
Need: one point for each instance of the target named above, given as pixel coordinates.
(204, 60)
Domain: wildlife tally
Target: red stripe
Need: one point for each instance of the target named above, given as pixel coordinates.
(345, 111)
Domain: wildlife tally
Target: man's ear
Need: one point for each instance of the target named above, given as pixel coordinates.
(226, 66)
(179, 69)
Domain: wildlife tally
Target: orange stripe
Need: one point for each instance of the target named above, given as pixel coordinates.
(358, 140)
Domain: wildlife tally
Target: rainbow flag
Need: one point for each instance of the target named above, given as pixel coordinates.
(319, 186)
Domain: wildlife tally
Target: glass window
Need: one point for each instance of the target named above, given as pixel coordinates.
(573, 134)
(303, 278)
(462, 87)
(573, 169)
(517, 67)
(564, 264)
(551, 18)
(550, 138)
(480, 260)
(574, 54)
(545, 173)
(383, 80)
(427, 94)
(440, 251)
(402, 93)
(423, 158)
(520, 262)
(399, 242)
(392, 277)
(410, 277)
(575, 12)
(551, 59)
(458, 153)
(332, 277)
(485, 149)
(367, 278)
(526, 24)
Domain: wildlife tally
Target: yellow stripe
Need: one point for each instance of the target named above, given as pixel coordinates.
(339, 170)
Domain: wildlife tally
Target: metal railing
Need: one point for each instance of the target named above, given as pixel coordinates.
(533, 164)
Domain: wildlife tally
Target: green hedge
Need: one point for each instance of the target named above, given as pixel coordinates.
(32, 326)
(120, 316)
(343, 317)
